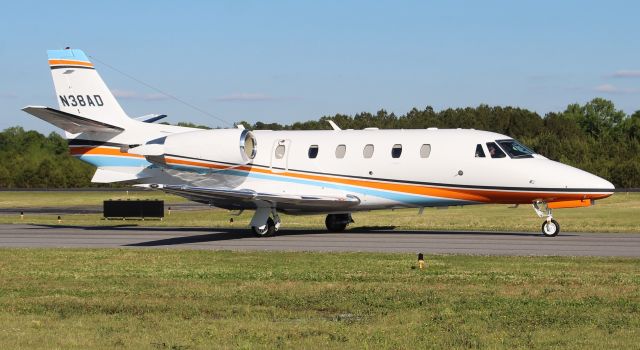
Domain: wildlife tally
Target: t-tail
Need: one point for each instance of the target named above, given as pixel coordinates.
(98, 129)
(85, 103)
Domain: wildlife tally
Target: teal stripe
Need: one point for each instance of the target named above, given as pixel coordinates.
(100, 160)
(410, 199)
(71, 54)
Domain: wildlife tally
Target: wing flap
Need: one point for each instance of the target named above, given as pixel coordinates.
(288, 200)
(70, 122)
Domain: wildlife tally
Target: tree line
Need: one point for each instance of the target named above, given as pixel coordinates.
(595, 137)
(29, 159)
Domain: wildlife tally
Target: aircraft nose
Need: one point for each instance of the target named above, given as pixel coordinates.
(601, 184)
(564, 176)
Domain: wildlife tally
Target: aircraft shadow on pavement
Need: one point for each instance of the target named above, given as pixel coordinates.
(238, 234)
(229, 234)
(127, 227)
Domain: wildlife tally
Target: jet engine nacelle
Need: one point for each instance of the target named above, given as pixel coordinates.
(228, 146)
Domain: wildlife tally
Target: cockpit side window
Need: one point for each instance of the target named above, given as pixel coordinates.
(479, 151)
(495, 151)
(515, 149)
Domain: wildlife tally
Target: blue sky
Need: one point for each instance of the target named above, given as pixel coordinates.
(286, 61)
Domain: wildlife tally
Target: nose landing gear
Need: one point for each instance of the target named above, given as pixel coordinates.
(550, 227)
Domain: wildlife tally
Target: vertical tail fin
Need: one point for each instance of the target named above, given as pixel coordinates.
(81, 91)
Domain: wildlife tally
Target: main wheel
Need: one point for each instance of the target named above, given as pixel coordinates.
(337, 222)
(550, 228)
(265, 231)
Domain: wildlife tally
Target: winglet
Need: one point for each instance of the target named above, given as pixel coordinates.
(333, 125)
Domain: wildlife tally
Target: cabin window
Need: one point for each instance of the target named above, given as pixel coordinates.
(479, 151)
(367, 152)
(341, 150)
(396, 151)
(425, 151)
(495, 151)
(280, 152)
(313, 151)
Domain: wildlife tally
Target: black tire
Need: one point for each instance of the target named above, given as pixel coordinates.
(268, 231)
(550, 229)
(337, 222)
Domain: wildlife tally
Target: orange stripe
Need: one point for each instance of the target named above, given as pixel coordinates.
(70, 62)
(569, 204)
(101, 151)
(484, 196)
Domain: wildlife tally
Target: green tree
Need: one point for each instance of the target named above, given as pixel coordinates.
(597, 118)
(6, 180)
(631, 126)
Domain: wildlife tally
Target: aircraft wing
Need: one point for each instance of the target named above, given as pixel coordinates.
(214, 195)
(70, 122)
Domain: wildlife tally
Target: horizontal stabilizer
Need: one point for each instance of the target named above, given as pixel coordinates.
(70, 122)
(151, 118)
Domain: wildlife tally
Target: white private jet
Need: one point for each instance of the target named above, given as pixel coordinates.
(334, 172)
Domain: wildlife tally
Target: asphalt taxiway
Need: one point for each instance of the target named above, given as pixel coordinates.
(365, 240)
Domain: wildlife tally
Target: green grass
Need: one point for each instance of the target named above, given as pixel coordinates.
(172, 299)
(619, 213)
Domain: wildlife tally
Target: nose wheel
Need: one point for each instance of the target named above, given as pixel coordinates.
(550, 227)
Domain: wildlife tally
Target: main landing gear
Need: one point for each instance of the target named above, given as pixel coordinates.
(338, 222)
(550, 227)
(265, 222)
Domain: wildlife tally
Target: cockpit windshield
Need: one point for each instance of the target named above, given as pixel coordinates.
(515, 149)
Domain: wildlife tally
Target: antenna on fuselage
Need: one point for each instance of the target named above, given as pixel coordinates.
(334, 126)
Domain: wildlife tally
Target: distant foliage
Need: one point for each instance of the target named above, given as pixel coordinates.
(191, 125)
(594, 137)
(29, 159)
